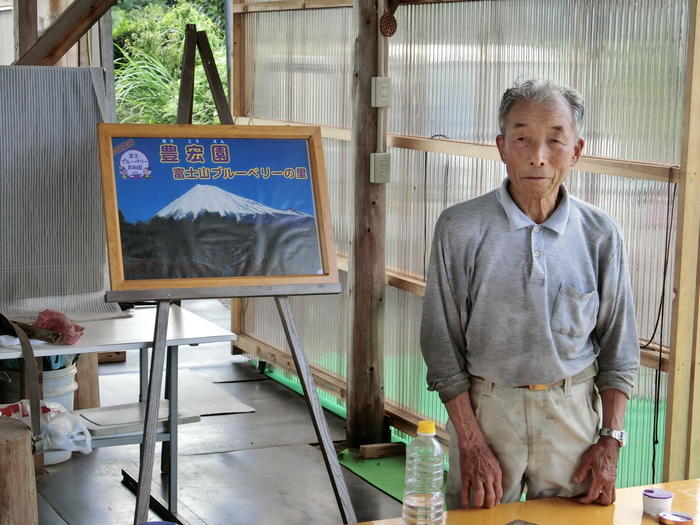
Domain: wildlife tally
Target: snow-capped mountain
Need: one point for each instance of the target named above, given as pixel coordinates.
(206, 198)
(292, 211)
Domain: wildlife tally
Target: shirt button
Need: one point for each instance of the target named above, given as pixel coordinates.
(536, 254)
(536, 229)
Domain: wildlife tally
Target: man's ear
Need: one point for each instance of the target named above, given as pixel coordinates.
(578, 149)
(500, 144)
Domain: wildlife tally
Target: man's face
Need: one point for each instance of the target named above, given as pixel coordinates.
(539, 147)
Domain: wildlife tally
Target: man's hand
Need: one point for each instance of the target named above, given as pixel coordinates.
(478, 466)
(481, 472)
(601, 461)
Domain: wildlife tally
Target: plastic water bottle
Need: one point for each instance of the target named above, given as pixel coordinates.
(423, 500)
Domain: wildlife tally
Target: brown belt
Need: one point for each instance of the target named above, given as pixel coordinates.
(586, 373)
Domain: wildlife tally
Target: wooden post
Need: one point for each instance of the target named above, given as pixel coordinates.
(88, 393)
(238, 74)
(681, 454)
(237, 323)
(26, 30)
(236, 86)
(107, 62)
(694, 427)
(365, 367)
(17, 482)
(71, 57)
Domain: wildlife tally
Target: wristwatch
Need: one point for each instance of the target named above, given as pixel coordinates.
(619, 435)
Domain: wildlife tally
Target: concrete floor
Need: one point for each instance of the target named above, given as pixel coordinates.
(254, 468)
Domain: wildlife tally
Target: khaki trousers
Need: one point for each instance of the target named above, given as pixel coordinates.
(537, 436)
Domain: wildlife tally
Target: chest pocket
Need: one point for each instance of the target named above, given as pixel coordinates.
(574, 313)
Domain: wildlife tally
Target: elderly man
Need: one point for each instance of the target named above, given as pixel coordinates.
(527, 317)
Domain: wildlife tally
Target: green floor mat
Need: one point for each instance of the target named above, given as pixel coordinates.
(387, 474)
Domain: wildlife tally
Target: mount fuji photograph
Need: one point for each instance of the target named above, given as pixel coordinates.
(211, 232)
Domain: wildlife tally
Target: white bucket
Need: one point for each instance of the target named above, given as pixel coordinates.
(59, 386)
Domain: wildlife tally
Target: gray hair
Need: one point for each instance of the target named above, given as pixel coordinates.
(540, 91)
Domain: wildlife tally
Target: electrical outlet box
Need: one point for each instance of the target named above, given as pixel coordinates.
(381, 92)
(379, 167)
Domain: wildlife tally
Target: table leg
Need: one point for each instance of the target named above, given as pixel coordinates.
(168, 457)
(143, 374)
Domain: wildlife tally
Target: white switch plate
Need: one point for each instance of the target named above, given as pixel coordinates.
(379, 168)
(381, 92)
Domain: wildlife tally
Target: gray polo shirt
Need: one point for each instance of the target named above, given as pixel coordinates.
(521, 303)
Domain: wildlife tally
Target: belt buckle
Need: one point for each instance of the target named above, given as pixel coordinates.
(537, 388)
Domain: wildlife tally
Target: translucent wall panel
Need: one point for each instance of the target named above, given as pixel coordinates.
(639, 207)
(341, 192)
(302, 65)
(404, 368)
(635, 466)
(423, 184)
(451, 62)
(322, 322)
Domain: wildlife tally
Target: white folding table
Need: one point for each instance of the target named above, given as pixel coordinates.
(137, 332)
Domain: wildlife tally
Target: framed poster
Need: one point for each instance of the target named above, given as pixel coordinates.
(215, 206)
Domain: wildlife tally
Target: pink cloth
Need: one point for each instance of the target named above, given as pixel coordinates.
(52, 320)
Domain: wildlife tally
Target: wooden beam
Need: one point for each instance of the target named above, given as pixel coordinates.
(324, 379)
(65, 32)
(25, 21)
(382, 450)
(294, 5)
(650, 358)
(621, 168)
(289, 5)
(681, 453)
(365, 364)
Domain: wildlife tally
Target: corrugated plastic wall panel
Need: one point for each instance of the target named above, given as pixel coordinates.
(302, 63)
(322, 321)
(449, 63)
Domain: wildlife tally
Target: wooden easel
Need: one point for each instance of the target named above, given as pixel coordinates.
(164, 297)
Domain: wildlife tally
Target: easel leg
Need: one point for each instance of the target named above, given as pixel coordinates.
(317, 417)
(143, 384)
(151, 420)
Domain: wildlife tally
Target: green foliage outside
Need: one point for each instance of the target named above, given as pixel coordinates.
(148, 41)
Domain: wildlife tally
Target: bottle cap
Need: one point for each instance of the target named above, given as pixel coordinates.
(426, 428)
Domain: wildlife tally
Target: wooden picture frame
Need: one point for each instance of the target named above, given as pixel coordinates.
(270, 247)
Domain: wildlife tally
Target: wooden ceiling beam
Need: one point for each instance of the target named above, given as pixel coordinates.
(73, 23)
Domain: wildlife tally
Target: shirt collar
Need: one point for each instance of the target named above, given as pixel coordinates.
(517, 219)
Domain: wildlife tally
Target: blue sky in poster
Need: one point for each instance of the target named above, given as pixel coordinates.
(149, 177)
